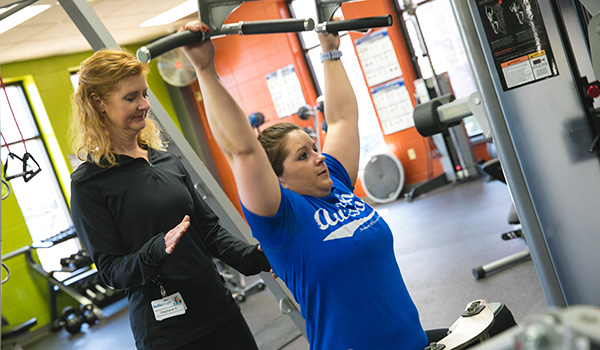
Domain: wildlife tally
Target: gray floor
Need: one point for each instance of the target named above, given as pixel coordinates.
(439, 238)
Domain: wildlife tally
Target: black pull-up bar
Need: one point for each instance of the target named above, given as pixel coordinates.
(354, 24)
(162, 45)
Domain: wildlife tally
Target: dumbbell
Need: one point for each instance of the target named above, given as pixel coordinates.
(88, 315)
(71, 320)
(305, 112)
(256, 119)
(90, 291)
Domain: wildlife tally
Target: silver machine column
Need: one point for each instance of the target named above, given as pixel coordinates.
(533, 63)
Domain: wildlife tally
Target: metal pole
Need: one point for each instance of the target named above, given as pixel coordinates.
(507, 155)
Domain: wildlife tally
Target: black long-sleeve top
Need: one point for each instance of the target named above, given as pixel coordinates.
(122, 213)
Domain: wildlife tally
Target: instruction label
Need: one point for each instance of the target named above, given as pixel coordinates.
(394, 106)
(518, 39)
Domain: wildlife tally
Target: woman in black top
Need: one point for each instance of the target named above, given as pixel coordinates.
(137, 213)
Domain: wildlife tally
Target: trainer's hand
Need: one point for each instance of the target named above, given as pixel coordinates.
(273, 275)
(174, 235)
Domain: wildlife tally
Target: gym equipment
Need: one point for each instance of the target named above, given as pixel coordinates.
(88, 314)
(575, 328)
(12, 333)
(83, 285)
(544, 125)
(307, 112)
(160, 46)
(30, 166)
(441, 118)
(70, 320)
(383, 178)
(98, 292)
(214, 12)
(76, 261)
(60, 237)
(256, 119)
(477, 323)
(236, 282)
(175, 68)
(493, 168)
(28, 170)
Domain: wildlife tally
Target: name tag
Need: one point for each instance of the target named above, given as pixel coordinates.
(169, 306)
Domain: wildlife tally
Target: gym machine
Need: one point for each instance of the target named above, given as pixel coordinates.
(441, 119)
(214, 12)
(537, 80)
(83, 285)
(575, 328)
(441, 114)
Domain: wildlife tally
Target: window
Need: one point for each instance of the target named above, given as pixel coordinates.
(40, 199)
(445, 49)
(371, 136)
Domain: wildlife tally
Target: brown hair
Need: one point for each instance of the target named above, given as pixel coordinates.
(273, 141)
(99, 74)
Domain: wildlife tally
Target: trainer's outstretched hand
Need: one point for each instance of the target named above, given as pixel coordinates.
(174, 235)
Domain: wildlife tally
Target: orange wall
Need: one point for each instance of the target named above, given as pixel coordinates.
(243, 61)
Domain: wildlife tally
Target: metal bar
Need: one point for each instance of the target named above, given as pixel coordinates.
(172, 41)
(79, 298)
(354, 24)
(452, 113)
(16, 9)
(14, 253)
(89, 24)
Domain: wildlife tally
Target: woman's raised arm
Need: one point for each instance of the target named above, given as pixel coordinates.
(341, 110)
(257, 183)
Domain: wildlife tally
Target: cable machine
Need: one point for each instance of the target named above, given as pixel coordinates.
(536, 63)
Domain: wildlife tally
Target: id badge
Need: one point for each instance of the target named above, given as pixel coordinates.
(169, 306)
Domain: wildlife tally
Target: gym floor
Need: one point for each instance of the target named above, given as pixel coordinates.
(439, 237)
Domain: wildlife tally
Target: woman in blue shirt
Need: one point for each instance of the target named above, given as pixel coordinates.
(333, 251)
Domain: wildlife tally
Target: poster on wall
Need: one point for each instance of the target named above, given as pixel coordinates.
(377, 57)
(286, 91)
(393, 105)
(518, 39)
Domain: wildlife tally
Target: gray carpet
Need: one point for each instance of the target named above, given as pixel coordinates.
(439, 238)
(442, 235)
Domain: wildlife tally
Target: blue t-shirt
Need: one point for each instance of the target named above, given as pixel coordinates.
(336, 256)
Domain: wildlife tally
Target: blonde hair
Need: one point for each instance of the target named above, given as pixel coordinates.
(99, 75)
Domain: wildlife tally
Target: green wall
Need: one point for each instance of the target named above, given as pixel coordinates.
(25, 294)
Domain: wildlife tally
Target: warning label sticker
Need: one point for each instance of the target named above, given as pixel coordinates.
(517, 37)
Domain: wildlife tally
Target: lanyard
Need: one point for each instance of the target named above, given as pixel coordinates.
(157, 281)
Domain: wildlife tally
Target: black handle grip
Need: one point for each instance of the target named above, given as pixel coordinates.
(167, 43)
(355, 24)
(277, 26)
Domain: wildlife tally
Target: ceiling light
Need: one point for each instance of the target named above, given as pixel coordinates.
(172, 15)
(21, 16)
